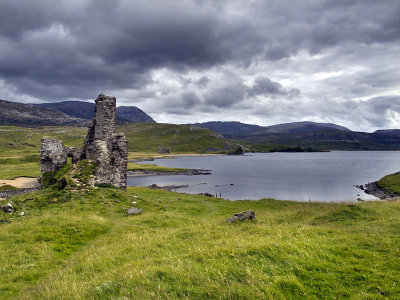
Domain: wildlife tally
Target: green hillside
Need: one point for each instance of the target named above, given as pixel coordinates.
(19, 146)
(145, 137)
(83, 245)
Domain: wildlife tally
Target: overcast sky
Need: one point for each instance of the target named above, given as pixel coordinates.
(259, 62)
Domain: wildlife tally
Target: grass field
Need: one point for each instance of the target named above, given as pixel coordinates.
(78, 245)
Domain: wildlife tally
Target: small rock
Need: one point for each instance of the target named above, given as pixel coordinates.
(22, 214)
(134, 211)
(134, 196)
(134, 202)
(7, 208)
(242, 216)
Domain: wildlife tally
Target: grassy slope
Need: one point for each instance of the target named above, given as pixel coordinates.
(145, 137)
(19, 147)
(391, 183)
(80, 245)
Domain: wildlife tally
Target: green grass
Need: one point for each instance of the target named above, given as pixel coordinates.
(391, 183)
(152, 167)
(83, 245)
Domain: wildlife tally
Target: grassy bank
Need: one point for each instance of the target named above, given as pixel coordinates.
(153, 168)
(390, 183)
(82, 244)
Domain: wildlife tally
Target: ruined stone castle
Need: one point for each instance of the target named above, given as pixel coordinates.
(102, 145)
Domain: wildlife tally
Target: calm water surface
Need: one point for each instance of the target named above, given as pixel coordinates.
(319, 176)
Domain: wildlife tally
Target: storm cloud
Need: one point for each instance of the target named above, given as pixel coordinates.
(260, 61)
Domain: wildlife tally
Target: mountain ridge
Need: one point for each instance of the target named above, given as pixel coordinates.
(85, 110)
(238, 128)
(20, 114)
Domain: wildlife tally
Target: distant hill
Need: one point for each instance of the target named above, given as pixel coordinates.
(237, 128)
(85, 110)
(306, 126)
(145, 137)
(329, 140)
(325, 136)
(132, 114)
(231, 128)
(19, 114)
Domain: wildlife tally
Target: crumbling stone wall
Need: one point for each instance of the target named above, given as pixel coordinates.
(75, 153)
(52, 155)
(109, 150)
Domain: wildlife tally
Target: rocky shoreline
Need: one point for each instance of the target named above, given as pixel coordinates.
(6, 194)
(167, 187)
(372, 188)
(158, 173)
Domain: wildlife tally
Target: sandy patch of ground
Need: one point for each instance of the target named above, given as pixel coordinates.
(21, 182)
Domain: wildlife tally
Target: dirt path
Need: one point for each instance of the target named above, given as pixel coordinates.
(21, 182)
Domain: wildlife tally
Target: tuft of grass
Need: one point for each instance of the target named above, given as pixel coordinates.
(84, 170)
(82, 244)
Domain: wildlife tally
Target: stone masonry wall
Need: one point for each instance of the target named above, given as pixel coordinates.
(52, 155)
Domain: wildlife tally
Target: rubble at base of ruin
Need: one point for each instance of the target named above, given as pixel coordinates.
(108, 149)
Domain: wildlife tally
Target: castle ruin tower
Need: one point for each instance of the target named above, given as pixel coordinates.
(109, 150)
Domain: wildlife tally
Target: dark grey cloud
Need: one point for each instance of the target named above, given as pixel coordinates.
(267, 87)
(204, 56)
(202, 82)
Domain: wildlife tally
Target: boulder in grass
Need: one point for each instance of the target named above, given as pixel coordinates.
(134, 211)
(7, 208)
(242, 216)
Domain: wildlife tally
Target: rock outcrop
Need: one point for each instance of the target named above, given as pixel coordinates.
(102, 145)
(7, 208)
(242, 216)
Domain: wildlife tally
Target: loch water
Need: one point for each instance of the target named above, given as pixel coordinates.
(316, 176)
